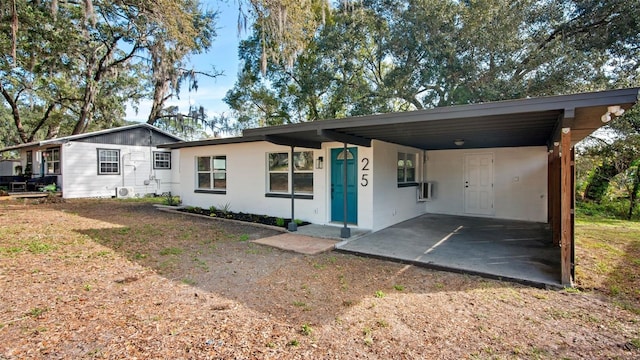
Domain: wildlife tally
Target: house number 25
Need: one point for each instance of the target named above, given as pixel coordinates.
(364, 181)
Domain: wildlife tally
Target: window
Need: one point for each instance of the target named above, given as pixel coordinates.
(28, 168)
(279, 169)
(211, 172)
(52, 161)
(162, 160)
(108, 162)
(406, 168)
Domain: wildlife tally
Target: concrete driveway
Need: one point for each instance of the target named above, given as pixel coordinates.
(510, 250)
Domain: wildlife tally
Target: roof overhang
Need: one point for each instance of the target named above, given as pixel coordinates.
(64, 139)
(523, 122)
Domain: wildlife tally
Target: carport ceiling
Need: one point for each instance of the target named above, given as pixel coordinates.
(525, 122)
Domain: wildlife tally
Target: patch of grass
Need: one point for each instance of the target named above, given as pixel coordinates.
(243, 237)
(123, 230)
(293, 342)
(188, 281)
(36, 312)
(299, 304)
(171, 251)
(201, 264)
(368, 336)
(607, 256)
(398, 287)
(12, 250)
(38, 247)
(635, 342)
(306, 329)
(87, 287)
(379, 294)
(382, 323)
(139, 256)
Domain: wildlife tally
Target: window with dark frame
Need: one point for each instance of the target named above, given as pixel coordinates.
(108, 162)
(211, 172)
(28, 168)
(52, 160)
(161, 160)
(279, 170)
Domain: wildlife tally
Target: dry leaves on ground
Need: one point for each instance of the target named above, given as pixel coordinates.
(114, 279)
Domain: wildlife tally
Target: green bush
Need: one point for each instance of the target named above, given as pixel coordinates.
(607, 208)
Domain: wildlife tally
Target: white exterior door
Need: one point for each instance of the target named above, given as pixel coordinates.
(478, 184)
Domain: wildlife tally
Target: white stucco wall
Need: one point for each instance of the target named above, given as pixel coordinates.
(247, 182)
(392, 204)
(79, 163)
(520, 182)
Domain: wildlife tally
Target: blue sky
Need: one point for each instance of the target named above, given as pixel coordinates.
(223, 55)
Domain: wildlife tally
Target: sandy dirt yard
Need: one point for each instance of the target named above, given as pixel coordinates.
(112, 279)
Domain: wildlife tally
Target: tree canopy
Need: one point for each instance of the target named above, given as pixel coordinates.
(391, 55)
(70, 67)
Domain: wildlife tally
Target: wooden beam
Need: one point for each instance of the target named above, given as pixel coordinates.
(344, 138)
(566, 208)
(555, 194)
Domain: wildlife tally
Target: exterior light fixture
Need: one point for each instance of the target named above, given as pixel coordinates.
(458, 142)
(319, 162)
(616, 110)
(612, 110)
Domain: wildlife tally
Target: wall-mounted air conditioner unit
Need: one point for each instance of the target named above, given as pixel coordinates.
(425, 191)
(124, 192)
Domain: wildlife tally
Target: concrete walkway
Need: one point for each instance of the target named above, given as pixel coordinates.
(510, 250)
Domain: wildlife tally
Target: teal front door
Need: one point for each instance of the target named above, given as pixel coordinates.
(337, 185)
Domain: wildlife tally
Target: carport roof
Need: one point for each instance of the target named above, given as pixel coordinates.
(512, 123)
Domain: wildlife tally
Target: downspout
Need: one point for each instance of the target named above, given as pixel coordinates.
(292, 224)
(345, 232)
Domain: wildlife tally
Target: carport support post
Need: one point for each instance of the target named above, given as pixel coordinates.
(345, 232)
(292, 224)
(566, 207)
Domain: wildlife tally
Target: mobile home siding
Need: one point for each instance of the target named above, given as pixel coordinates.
(80, 169)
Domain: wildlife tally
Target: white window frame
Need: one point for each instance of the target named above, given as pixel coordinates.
(157, 162)
(109, 161)
(404, 157)
(213, 173)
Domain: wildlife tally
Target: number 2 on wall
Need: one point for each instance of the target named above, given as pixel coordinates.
(365, 167)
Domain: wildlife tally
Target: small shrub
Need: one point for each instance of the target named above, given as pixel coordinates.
(213, 209)
(293, 342)
(225, 208)
(280, 222)
(171, 200)
(379, 294)
(398, 287)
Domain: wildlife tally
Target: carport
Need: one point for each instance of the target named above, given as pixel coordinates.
(509, 250)
(557, 122)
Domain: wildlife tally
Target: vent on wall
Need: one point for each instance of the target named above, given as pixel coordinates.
(124, 192)
(425, 191)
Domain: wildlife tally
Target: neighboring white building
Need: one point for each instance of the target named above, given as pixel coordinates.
(121, 162)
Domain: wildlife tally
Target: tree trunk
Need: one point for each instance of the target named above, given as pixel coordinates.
(634, 192)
